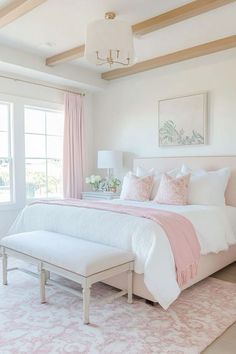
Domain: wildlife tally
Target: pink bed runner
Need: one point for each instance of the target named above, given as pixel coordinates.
(179, 230)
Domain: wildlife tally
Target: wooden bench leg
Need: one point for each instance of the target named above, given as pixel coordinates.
(86, 300)
(47, 276)
(130, 286)
(4, 267)
(42, 281)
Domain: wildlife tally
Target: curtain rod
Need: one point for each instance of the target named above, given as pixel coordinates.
(43, 85)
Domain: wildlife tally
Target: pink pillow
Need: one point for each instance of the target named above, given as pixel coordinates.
(173, 190)
(136, 188)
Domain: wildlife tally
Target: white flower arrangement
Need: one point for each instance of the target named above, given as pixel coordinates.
(103, 184)
(94, 181)
(113, 183)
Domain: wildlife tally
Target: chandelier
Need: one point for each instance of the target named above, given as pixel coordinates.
(109, 41)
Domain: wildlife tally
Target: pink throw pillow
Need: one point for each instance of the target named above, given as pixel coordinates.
(173, 190)
(136, 188)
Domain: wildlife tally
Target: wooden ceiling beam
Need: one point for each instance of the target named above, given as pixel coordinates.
(17, 9)
(176, 57)
(70, 54)
(181, 13)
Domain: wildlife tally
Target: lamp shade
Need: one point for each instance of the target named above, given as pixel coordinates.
(104, 37)
(109, 159)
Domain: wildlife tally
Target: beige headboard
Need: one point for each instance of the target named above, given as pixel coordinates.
(164, 164)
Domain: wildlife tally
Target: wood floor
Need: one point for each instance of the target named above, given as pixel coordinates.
(225, 344)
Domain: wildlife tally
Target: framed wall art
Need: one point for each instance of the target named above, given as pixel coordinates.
(183, 120)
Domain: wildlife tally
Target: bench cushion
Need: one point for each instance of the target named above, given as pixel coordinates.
(71, 253)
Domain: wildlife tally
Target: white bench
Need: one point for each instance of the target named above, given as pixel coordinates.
(82, 261)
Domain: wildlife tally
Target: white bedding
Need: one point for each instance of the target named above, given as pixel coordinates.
(145, 238)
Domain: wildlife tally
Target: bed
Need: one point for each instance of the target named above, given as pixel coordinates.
(110, 229)
(211, 262)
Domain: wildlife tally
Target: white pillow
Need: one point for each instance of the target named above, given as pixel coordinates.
(207, 187)
(142, 172)
(186, 170)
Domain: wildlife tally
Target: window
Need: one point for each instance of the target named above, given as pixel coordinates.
(43, 152)
(5, 154)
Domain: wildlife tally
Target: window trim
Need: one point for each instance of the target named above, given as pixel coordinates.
(10, 156)
(18, 146)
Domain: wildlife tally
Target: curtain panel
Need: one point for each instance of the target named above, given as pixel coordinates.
(73, 149)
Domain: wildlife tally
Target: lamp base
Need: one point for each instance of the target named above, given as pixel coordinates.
(109, 172)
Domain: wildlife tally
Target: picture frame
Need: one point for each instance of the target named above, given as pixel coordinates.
(182, 120)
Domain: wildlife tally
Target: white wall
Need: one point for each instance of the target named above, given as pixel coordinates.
(126, 113)
(20, 94)
(124, 116)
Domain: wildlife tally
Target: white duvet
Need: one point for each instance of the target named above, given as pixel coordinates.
(146, 239)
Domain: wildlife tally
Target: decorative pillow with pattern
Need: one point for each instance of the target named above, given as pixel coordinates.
(136, 188)
(142, 172)
(173, 190)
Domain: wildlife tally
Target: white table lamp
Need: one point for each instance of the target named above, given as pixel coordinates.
(110, 159)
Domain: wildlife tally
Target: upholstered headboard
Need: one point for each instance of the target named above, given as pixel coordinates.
(164, 164)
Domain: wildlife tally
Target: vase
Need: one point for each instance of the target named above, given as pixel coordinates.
(94, 189)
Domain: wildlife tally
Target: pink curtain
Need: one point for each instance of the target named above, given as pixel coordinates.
(73, 154)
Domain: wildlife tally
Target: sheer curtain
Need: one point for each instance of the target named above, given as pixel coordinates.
(73, 154)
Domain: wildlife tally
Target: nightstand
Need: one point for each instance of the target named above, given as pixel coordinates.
(100, 195)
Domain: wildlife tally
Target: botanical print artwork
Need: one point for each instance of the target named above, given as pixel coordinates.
(182, 120)
(169, 135)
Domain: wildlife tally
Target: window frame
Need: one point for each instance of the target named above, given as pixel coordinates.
(10, 156)
(18, 143)
(45, 135)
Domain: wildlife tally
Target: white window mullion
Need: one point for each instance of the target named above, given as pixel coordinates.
(8, 198)
(19, 153)
(46, 151)
(10, 152)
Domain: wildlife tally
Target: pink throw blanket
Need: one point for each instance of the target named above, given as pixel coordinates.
(179, 230)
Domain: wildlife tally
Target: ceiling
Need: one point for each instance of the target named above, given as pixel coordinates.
(59, 25)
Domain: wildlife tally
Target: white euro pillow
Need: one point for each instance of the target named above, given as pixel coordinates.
(207, 187)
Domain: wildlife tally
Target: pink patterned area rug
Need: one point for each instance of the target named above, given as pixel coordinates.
(199, 316)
